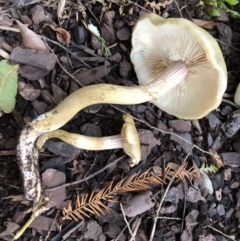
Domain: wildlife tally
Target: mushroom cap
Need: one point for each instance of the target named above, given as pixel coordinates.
(159, 42)
(237, 95)
(131, 140)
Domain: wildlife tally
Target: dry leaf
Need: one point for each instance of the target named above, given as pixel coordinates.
(4, 54)
(7, 47)
(156, 6)
(62, 36)
(60, 9)
(95, 202)
(204, 23)
(216, 158)
(30, 39)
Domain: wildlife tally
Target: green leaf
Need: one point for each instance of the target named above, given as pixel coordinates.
(206, 169)
(8, 86)
(234, 14)
(211, 3)
(231, 2)
(214, 12)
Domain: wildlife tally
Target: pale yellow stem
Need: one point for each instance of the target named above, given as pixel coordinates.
(81, 141)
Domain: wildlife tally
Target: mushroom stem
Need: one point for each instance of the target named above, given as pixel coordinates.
(89, 95)
(80, 141)
(128, 139)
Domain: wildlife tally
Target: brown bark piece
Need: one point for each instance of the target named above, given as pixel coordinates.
(90, 129)
(94, 231)
(231, 159)
(213, 120)
(39, 14)
(108, 34)
(37, 58)
(231, 127)
(148, 141)
(180, 125)
(91, 75)
(53, 178)
(184, 144)
(61, 148)
(191, 222)
(58, 93)
(27, 91)
(161, 126)
(124, 68)
(32, 73)
(40, 107)
(123, 33)
(43, 223)
(10, 228)
(113, 230)
(47, 97)
(168, 209)
(209, 237)
(5, 20)
(138, 204)
(117, 57)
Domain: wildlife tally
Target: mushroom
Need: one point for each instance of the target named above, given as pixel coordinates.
(158, 42)
(179, 66)
(128, 140)
(62, 113)
(237, 95)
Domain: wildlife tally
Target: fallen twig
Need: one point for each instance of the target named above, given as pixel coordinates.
(164, 195)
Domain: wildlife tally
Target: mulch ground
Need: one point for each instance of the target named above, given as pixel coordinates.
(206, 208)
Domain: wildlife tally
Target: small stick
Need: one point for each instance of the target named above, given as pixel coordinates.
(136, 229)
(163, 197)
(13, 29)
(49, 231)
(116, 239)
(70, 75)
(218, 231)
(125, 219)
(169, 218)
(179, 10)
(67, 50)
(90, 176)
(66, 235)
(7, 153)
(184, 206)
